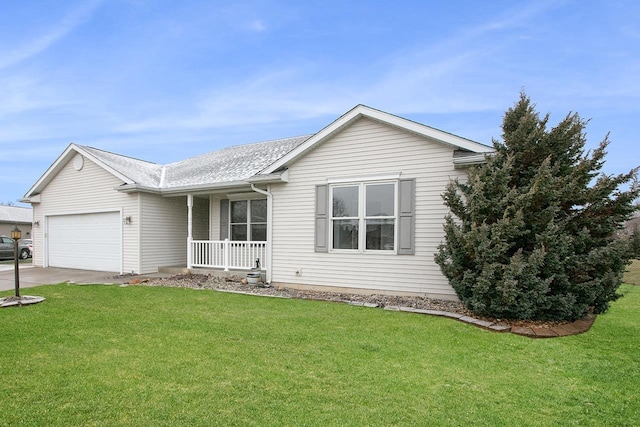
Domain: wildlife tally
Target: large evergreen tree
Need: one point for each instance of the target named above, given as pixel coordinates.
(531, 232)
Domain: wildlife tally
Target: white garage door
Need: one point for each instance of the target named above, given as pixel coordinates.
(85, 241)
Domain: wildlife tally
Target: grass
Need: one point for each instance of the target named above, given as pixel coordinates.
(108, 355)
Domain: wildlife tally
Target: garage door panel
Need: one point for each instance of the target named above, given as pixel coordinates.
(85, 241)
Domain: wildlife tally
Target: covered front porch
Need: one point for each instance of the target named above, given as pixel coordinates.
(230, 230)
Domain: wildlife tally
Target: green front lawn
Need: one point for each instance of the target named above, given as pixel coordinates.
(121, 356)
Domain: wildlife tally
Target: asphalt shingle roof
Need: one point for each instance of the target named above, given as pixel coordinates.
(15, 214)
(231, 164)
(139, 171)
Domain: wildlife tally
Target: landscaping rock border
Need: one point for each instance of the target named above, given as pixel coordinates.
(420, 305)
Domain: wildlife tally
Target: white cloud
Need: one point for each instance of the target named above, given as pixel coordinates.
(275, 96)
(56, 32)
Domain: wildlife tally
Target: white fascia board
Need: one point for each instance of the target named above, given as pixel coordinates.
(204, 188)
(33, 199)
(380, 116)
(51, 171)
(270, 178)
(185, 190)
(136, 188)
(61, 161)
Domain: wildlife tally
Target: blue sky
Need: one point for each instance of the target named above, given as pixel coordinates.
(166, 80)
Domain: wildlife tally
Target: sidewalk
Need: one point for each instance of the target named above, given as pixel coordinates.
(6, 267)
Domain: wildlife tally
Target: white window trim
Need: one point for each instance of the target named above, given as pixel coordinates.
(362, 218)
(364, 179)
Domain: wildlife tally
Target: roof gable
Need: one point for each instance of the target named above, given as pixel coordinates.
(360, 111)
(127, 169)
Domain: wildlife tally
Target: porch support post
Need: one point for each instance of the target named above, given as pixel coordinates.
(226, 248)
(189, 230)
(267, 193)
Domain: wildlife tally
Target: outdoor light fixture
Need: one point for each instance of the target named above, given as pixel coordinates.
(127, 220)
(36, 223)
(16, 234)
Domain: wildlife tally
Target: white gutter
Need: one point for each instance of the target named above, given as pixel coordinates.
(269, 227)
(201, 188)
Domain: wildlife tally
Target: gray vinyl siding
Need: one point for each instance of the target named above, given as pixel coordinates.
(163, 234)
(367, 148)
(90, 189)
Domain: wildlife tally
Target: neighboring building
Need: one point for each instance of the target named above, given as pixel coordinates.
(11, 216)
(633, 224)
(355, 207)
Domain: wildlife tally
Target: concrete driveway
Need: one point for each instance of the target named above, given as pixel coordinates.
(36, 276)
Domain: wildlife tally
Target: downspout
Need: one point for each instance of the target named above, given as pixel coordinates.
(269, 226)
(139, 227)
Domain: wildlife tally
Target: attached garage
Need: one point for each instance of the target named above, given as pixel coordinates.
(91, 241)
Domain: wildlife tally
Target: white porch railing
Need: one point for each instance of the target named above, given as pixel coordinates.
(228, 254)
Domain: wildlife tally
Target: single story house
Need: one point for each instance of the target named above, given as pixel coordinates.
(12, 216)
(355, 207)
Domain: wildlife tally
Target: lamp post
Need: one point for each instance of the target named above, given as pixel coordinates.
(16, 234)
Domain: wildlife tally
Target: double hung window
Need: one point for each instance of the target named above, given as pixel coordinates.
(363, 216)
(248, 220)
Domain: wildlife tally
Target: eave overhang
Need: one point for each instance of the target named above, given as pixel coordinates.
(470, 160)
(205, 188)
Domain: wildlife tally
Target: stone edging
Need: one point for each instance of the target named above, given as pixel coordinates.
(561, 330)
(574, 328)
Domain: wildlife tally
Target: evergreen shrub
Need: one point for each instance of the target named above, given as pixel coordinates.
(531, 233)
